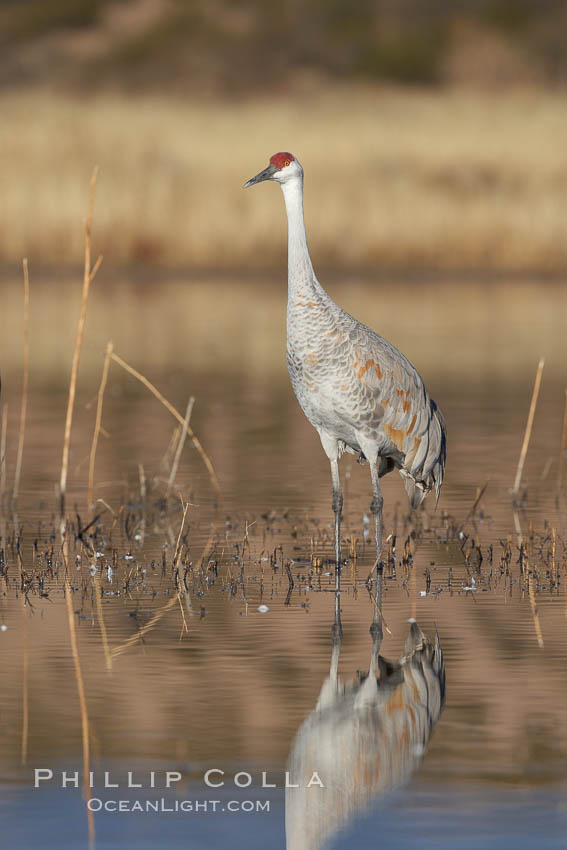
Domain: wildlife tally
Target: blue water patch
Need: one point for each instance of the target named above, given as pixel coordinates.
(53, 818)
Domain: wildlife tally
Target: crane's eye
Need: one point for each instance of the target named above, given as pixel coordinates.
(286, 163)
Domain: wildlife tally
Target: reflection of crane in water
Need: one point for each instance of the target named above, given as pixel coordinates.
(362, 739)
(360, 393)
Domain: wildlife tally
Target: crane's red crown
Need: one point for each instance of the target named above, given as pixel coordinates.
(282, 159)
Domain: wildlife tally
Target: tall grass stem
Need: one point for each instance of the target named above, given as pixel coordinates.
(528, 431)
(3, 441)
(563, 449)
(88, 276)
(180, 444)
(24, 404)
(98, 423)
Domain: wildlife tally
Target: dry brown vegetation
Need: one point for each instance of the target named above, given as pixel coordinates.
(393, 178)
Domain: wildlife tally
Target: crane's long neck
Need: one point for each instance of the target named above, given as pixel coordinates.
(300, 275)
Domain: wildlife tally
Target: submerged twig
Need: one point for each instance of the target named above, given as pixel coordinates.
(118, 650)
(291, 584)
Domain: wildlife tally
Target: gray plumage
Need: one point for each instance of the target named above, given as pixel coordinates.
(357, 389)
(359, 392)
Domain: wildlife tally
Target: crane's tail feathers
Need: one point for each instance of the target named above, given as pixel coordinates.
(427, 467)
(416, 490)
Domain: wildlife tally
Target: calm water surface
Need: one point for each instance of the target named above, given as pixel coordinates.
(238, 674)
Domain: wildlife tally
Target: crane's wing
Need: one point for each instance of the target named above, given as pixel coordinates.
(405, 414)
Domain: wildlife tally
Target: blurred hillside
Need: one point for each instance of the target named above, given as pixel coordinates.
(226, 46)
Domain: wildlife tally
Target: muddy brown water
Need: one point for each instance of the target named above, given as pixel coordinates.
(228, 684)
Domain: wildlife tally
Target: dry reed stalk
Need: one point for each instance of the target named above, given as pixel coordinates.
(177, 552)
(563, 449)
(185, 627)
(3, 435)
(352, 543)
(177, 415)
(208, 548)
(166, 460)
(480, 491)
(98, 422)
(554, 569)
(101, 625)
(107, 506)
(518, 527)
(25, 381)
(88, 277)
(179, 580)
(180, 444)
(528, 431)
(142, 475)
(82, 701)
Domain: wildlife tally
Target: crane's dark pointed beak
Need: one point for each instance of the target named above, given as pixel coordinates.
(266, 174)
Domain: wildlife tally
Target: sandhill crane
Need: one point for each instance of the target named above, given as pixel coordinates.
(360, 393)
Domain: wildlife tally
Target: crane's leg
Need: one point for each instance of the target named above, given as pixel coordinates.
(376, 508)
(331, 447)
(337, 505)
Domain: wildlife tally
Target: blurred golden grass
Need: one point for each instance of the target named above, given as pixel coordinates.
(393, 178)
